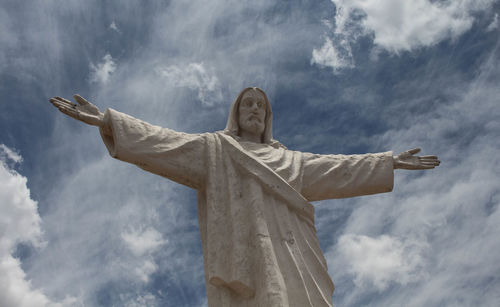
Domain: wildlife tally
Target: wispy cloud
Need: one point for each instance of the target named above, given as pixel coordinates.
(195, 77)
(330, 56)
(114, 27)
(142, 242)
(494, 23)
(101, 72)
(8, 155)
(377, 262)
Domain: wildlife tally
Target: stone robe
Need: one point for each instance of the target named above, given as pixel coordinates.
(259, 241)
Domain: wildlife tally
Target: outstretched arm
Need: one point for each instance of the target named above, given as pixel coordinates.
(340, 176)
(174, 155)
(408, 160)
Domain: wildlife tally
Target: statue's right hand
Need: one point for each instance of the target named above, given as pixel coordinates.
(83, 111)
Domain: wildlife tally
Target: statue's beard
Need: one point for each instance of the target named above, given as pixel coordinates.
(253, 124)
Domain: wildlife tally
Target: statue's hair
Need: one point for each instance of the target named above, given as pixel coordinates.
(233, 128)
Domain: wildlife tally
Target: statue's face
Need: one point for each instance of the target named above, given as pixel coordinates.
(252, 112)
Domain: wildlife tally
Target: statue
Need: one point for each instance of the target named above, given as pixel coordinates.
(258, 236)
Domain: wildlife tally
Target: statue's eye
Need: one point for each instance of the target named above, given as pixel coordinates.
(260, 104)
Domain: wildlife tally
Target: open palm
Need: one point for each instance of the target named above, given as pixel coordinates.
(408, 160)
(83, 111)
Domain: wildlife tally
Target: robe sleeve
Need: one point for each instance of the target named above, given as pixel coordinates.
(175, 155)
(340, 176)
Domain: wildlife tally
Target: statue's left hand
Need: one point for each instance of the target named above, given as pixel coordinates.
(84, 111)
(408, 160)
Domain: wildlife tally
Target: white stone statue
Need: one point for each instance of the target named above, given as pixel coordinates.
(259, 241)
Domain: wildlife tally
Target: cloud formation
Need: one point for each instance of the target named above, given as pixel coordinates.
(395, 26)
(329, 56)
(494, 23)
(19, 222)
(195, 77)
(114, 27)
(380, 261)
(101, 72)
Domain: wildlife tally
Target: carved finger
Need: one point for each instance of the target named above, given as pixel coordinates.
(80, 100)
(66, 108)
(428, 160)
(58, 103)
(431, 162)
(427, 163)
(65, 100)
(70, 108)
(54, 102)
(428, 157)
(436, 163)
(414, 151)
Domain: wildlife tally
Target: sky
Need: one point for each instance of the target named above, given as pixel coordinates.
(78, 228)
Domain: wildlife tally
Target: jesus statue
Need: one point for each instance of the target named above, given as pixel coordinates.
(259, 241)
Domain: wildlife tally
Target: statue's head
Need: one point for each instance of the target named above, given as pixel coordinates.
(251, 112)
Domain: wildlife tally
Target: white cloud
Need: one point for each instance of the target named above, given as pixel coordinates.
(101, 72)
(405, 25)
(147, 268)
(330, 56)
(19, 222)
(8, 155)
(397, 26)
(142, 242)
(494, 23)
(380, 261)
(114, 27)
(147, 299)
(195, 77)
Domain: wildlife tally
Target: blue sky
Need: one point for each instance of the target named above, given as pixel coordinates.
(78, 228)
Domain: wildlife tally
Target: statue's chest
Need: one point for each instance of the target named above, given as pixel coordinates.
(285, 163)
